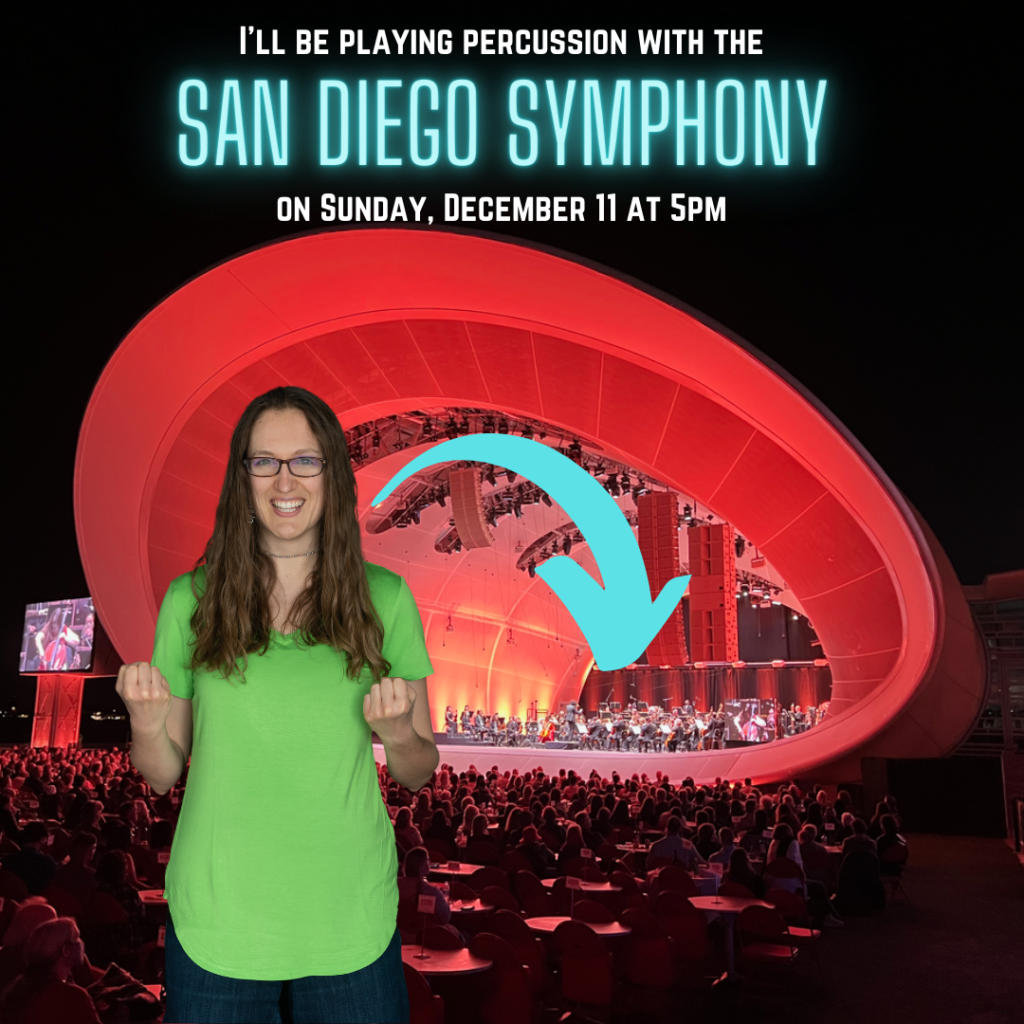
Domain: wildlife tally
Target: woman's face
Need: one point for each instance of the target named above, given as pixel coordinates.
(288, 508)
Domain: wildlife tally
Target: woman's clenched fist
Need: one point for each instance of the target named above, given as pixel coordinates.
(146, 695)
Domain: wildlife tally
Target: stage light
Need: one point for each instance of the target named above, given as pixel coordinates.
(416, 516)
(531, 568)
(739, 664)
(687, 513)
(700, 664)
(544, 497)
(820, 662)
(528, 433)
(566, 544)
(449, 628)
(376, 440)
(489, 476)
(795, 616)
(464, 426)
(489, 425)
(510, 639)
(517, 509)
(503, 426)
(778, 663)
(745, 589)
(439, 498)
(511, 475)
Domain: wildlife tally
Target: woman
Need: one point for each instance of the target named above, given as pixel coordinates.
(44, 990)
(405, 831)
(294, 649)
(114, 878)
(742, 873)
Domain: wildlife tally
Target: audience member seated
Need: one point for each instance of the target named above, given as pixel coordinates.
(814, 856)
(77, 876)
(888, 839)
(674, 848)
(860, 840)
(724, 854)
(742, 873)
(43, 991)
(31, 864)
(112, 878)
(406, 832)
(537, 853)
(412, 883)
(706, 842)
(754, 840)
(571, 848)
(440, 828)
(785, 847)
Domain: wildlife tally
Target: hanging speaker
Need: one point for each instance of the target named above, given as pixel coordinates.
(468, 509)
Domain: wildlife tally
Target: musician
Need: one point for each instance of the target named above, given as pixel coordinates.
(467, 720)
(493, 726)
(570, 713)
(716, 730)
(478, 724)
(676, 736)
(785, 722)
(451, 722)
(513, 730)
(54, 639)
(688, 708)
(596, 732)
(649, 733)
(619, 729)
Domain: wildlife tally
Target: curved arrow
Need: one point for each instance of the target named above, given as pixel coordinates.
(618, 620)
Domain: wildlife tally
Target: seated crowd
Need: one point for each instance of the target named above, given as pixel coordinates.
(81, 833)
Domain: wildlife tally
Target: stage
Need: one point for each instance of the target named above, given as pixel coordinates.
(702, 766)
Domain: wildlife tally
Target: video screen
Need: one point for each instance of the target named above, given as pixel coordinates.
(750, 720)
(58, 636)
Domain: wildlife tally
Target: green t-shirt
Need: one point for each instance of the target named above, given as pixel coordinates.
(283, 863)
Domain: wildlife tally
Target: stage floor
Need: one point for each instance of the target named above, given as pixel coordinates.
(700, 766)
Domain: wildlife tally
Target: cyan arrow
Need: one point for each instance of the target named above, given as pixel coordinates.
(619, 621)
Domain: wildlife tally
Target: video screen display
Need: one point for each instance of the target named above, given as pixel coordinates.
(58, 636)
(751, 720)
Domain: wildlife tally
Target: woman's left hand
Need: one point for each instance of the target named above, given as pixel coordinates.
(387, 709)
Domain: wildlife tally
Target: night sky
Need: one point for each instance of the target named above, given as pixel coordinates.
(880, 279)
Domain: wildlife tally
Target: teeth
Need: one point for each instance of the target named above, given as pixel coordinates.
(287, 505)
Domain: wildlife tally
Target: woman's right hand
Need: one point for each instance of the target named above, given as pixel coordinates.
(146, 695)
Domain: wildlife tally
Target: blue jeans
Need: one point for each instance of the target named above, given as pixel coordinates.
(376, 993)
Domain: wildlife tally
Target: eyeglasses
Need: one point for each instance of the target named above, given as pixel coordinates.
(303, 465)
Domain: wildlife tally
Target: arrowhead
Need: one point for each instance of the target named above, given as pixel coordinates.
(618, 626)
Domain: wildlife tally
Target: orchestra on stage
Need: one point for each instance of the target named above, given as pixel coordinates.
(639, 728)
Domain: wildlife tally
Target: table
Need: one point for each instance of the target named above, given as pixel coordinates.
(547, 925)
(444, 961)
(728, 907)
(463, 870)
(153, 897)
(587, 886)
(469, 906)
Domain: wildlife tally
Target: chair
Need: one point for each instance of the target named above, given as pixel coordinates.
(436, 936)
(534, 898)
(488, 876)
(67, 904)
(893, 882)
(608, 851)
(735, 889)
(674, 879)
(585, 966)
(500, 899)
(783, 867)
(792, 907)
(859, 889)
(480, 853)
(460, 891)
(506, 997)
(621, 834)
(578, 867)
(592, 911)
(764, 936)
(12, 887)
(512, 861)
(529, 946)
(650, 967)
(424, 1006)
(439, 849)
(105, 931)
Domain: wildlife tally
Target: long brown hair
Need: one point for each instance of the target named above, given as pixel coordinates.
(232, 615)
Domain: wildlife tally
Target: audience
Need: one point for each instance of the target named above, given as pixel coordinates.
(113, 829)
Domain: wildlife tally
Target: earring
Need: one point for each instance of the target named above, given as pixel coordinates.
(252, 515)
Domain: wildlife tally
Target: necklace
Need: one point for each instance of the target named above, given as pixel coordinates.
(303, 555)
